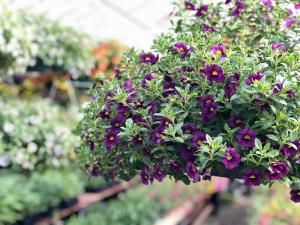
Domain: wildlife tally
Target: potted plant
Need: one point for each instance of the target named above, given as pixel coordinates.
(192, 108)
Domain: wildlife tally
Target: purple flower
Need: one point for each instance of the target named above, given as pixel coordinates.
(132, 94)
(236, 121)
(207, 28)
(189, 128)
(138, 140)
(218, 50)
(146, 179)
(289, 150)
(104, 114)
(122, 108)
(198, 139)
(192, 172)
(214, 73)
(148, 77)
(277, 170)
(252, 177)
(263, 106)
(210, 110)
(165, 122)
(278, 46)
(278, 87)
(168, 89)
(246, 138)
(202, 11)
(182, 49)
(175, 167)
(252, 77)
(231, 158)
(117, 122)
(268, 3)
(153, 107)
(189, 6)
(206, 175)
(187, 153)
(291, 93)
(149, 58)
(227, 1)
(156, 135)
(239, 8)
(231, 85)
(111, 139)
(297, 5)
(128, 84)
(95, 171)
(137, 118)
(108, 97)
(206, 99)
(117, 72)
(158, 173)
(290, 21)
(295, 195)
(139, 104)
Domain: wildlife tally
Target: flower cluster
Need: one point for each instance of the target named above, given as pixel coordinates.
(192, 108)
(34, 42)
(243, 21)
(34, 138)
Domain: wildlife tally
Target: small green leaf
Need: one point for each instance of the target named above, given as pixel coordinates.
(258, 144)
(272, 137)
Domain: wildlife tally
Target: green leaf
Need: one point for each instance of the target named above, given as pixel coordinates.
(272, 153)
(258, 144)
(272, 137)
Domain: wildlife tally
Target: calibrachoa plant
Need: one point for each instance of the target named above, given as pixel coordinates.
(250, 23)
(34, 138)
(191, 108)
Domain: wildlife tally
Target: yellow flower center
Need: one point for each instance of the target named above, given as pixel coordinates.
(238, 121)
(199, 142)
(298, 193)
(111, 138)
(188, 131)
(138, 104)
(211, 109)
(106, 113)
(207, 101)
(203, 11)
(247, 137)
(219, 52)
(166, 123)
(148, 58)
(252, 177)
(214, 73)
(181, 49)
(117, 124)
(140, 139)
(189, 6)
(229, 157)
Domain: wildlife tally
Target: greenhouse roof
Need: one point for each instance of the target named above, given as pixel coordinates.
(133, 22)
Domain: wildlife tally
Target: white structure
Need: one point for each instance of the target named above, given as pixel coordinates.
(133, 22)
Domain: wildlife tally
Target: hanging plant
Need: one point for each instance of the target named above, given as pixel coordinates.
(192, 108)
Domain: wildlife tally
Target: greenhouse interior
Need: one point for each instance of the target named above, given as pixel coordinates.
(161, 112)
